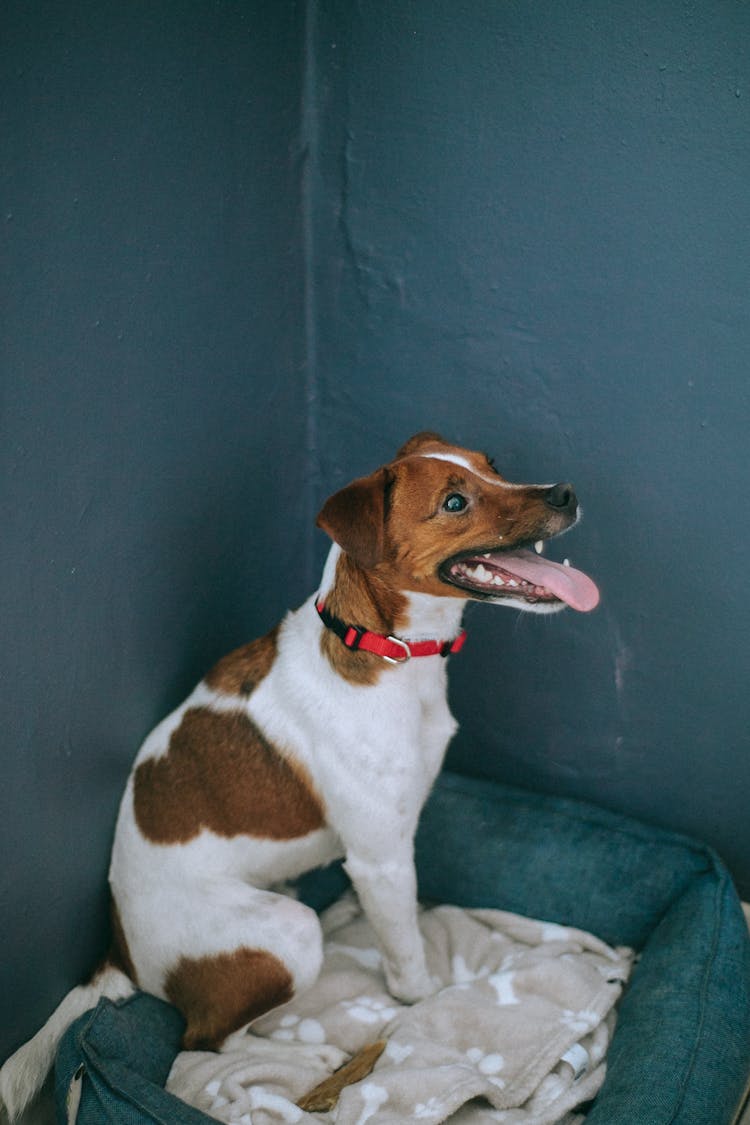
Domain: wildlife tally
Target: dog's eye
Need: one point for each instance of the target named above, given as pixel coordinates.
(455, 502)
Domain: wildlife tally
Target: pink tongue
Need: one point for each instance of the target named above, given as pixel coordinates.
(569, 585)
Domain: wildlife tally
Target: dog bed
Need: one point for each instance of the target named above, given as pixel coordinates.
(681, 1050)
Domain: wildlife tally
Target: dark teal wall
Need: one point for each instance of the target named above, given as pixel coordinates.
(534, 235)
(152, 367)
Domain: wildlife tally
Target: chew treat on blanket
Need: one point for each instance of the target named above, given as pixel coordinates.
(326, 1094)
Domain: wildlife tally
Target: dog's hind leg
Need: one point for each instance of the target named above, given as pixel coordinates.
(255, 950)
(221, 993)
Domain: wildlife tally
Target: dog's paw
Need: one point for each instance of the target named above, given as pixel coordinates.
(410, 988)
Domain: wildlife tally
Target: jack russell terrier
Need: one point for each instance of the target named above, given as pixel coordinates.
(321, 739)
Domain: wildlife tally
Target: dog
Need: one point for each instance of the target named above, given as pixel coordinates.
(320, 740)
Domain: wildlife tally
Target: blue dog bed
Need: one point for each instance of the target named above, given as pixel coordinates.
(681, 1051)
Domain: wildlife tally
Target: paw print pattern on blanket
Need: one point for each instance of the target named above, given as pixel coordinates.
(463, 976)
(489, 1065)
(398, 1052)
(256, 1098)
(369, 1009)
(218, 1101)
(429, 1109)
(580, 1022)
(503, 985)
(373, 1097)
(292, 1029)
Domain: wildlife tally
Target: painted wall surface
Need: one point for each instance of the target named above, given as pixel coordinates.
(152, 368)
(533, 234)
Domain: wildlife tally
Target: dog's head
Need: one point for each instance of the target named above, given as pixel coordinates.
(441, 520)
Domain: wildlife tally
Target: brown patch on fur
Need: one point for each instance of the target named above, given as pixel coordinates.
(240, 672)
(119, 953)
(220, 994)
(358, 598)
(220, 773)
(355, 517)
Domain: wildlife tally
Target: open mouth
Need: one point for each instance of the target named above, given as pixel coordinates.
(522, 576)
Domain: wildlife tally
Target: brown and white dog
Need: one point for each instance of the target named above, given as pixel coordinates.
(320, 740)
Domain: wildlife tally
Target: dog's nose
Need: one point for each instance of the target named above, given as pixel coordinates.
(562, 497)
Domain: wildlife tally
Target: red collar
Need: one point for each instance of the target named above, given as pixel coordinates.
(391, 649)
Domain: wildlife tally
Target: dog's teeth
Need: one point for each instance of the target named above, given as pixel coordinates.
(498, 581)
(512, 582)
(487, 555)
(539, 546)
(566, 562)
(482, 574)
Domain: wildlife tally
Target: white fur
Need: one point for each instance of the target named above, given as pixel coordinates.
(464, 463)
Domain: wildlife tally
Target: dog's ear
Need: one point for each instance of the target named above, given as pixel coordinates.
(423, 439)
(354, 517)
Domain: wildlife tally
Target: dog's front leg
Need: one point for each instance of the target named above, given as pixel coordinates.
(387, 890)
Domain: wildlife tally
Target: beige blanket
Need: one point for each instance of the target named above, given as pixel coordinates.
(517, 1030)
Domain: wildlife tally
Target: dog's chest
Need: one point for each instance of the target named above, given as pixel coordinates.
(292, 759)
(307, 707)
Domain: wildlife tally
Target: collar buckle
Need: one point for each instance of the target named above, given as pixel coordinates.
(401, 644)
